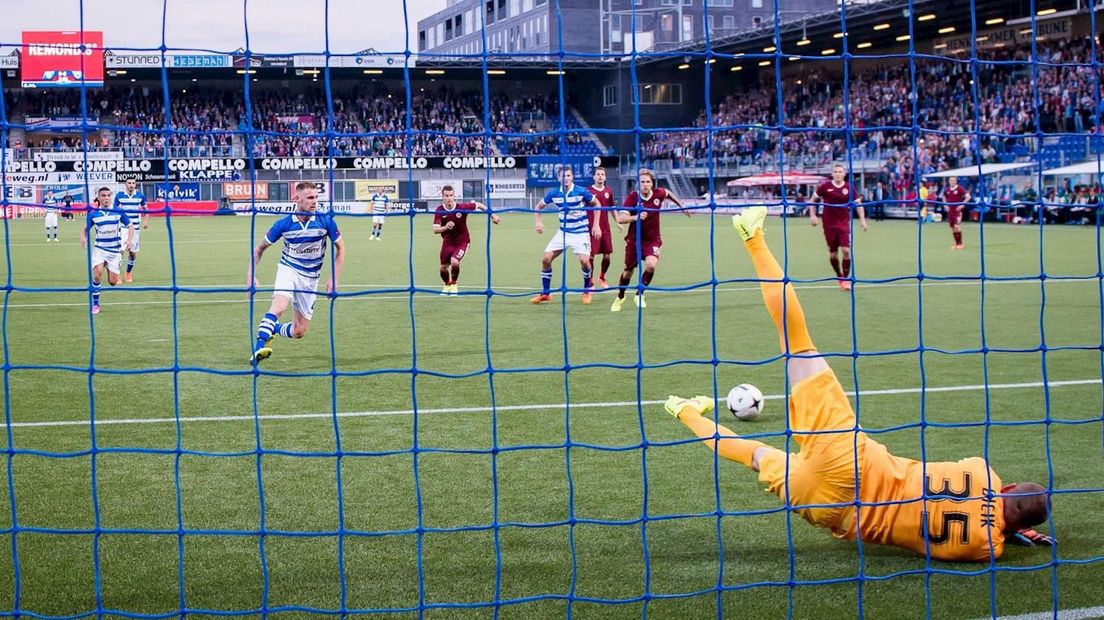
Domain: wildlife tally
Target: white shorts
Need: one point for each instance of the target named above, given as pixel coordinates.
(578, 242)
(112, 259)
(51, 220)
(300, 289)
(133, 246)
(378, 219)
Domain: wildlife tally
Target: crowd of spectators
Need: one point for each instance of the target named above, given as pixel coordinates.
(364, 120)
(883, 110)
(935, 114)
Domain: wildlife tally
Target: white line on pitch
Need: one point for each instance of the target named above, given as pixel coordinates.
(549, 406)
(431, 290)
(1079, 613)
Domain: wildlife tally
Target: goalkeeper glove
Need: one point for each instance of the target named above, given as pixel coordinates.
(1028, 537)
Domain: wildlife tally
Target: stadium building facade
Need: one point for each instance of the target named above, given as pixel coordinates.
(592, 26)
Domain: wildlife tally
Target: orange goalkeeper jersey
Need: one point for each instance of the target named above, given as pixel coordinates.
(960, 519)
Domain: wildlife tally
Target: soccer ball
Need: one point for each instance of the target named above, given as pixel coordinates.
(745, 401)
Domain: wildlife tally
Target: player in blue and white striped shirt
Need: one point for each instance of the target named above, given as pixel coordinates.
(51, 219)
(304, 233)
(133, 202)
(571, 202)
(107, 249)
(379, 207)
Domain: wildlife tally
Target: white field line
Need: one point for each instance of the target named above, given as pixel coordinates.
(536, 407)
(1079, 613)
(431, 288)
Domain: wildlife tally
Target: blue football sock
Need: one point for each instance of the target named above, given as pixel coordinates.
(130, 264)
(587, 273)
(546, 281)
(95, 294)
(264, 331)
(283, 329)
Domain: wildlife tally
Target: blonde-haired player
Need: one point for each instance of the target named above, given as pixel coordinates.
(953, 511)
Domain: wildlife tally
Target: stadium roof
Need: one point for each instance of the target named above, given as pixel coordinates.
(1086, 167)
(985, 169)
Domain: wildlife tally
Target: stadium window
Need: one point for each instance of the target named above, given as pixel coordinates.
(527, 5)
(659, 94)
(278, 191)
(756, 4)
(421, 41)
(718, 3)
(541, 2)
(502, 14)
(448, 29)
(729, 22)
(441, 33)
(515, 7)
(490, 12)
(756, 21)
(609, 95)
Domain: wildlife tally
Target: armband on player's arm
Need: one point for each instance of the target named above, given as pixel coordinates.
(1028, 537)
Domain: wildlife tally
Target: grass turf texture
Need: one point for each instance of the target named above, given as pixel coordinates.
(604, 480)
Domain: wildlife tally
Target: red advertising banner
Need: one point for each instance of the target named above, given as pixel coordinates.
(56, 59)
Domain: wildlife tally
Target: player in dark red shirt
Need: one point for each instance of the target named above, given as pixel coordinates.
(646, 205)
(599, 220)
(837, 195)
(451, 222)
(954, 196)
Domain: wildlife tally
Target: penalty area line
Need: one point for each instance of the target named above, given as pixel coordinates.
(1078, 613)
(534, 407)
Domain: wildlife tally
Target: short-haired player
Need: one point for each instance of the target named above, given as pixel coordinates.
(451, 222)
(837, 196)
(107, 250)
(305, 233)
(571, 202)
(133, 202)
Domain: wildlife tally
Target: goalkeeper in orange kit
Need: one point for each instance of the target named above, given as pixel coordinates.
(954, 511)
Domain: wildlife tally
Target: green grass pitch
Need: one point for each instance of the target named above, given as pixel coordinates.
(585, 463)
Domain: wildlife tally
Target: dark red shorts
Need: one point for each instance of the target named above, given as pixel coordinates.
(603, 245)
(651, 248)
(453, 250)
(837, 237)
(954, 216)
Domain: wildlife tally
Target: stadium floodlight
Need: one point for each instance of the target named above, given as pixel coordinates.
(994, 21)
(769, 49)
(946, 30)
(803, 42)
(838, 35)
(1046, 12)
(864, 45)
(881, 26)
(903, 37)
(373, 71)
(737, 68)
(684, 66)
(828, 52)
(496, 72)
(924, 18)
(764, 63)
(435, 71)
